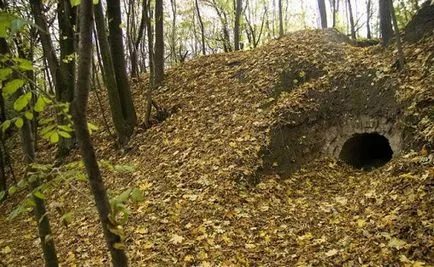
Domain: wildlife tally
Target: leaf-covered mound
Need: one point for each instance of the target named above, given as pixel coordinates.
(196, 168)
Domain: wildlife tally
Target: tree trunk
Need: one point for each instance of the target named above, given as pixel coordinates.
(79, 106)
(322, 13)
(281, 19)
(159, 44)
(134, 58)
(352, 25)
(202, 29)
(123, 130)
(401, 58)
(238, 8)
(58, 75)
(334, 11)
(118, 57)
(385, 22)
(148, 107)
(66, 20)
(368, 19)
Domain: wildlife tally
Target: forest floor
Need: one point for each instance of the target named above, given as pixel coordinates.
(200, 206)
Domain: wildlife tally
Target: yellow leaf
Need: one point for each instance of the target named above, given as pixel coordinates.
(396, 243)
(306, 236)
(148, 245)
(202, 255)
(331, 252)
(250, 246)
(188, 258)
(176, 239)
(361, 223)
(6, 250)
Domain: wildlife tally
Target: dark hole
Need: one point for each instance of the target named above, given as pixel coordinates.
(366, 151)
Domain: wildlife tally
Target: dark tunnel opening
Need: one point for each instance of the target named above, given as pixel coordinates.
(366, 151)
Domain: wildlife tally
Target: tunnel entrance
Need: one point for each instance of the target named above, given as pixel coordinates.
(366, 151)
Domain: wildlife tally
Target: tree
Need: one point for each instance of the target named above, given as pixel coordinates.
(59, 74)
(281, 19)
(352, 24)
(385, 22)
(202, 28)
(159, 43)
(122, 127)
(118, 57)
(238, 8)
(401, 59)
(368, 19)
(87, 151)
(322, 13)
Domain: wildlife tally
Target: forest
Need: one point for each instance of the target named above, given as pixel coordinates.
(216, 133)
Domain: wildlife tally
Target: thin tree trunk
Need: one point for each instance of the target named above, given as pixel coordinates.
(385, 22)
(322, 13)
(334, 11)
(238, 8)
(123, 130)
(401, 58)
(368, 19)
(352, 26)
(148, 107)
(202, 29)
(118, 57)
(79, 106)
(134, 58)
(159, 44)
(58, 74)
(280, 19)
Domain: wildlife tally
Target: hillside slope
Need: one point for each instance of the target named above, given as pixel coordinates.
(213, 193)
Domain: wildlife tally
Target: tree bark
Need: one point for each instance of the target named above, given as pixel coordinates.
(238, 8)
(123, 130)
(385, 22)
(159, 44)
(202, 28)
(368, 19)
(322, 13)
(58, 74)
(118, 57)
(352, 25)
(79, 106)
(401, 58)
(281, 19)
(142, 26)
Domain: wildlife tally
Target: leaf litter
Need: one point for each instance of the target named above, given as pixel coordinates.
(199, 206)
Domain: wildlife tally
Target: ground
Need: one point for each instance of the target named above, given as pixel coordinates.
(209, 197)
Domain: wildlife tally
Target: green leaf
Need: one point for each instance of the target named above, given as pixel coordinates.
(24, 64)
(67, 218)
(16, 25)
(40, 104)
(39, 195)
(66, 128)
(5, 73)
(5, 125)
(75, 3)
(19, 123)
(12, 86)
(137, 195)
(64, 134)
(22, 101)
(124, 168)
(92, 127)
(2, 194)
(95, 2)
(28, 115)
(54, 138)
(12, 190)
(123, 196)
